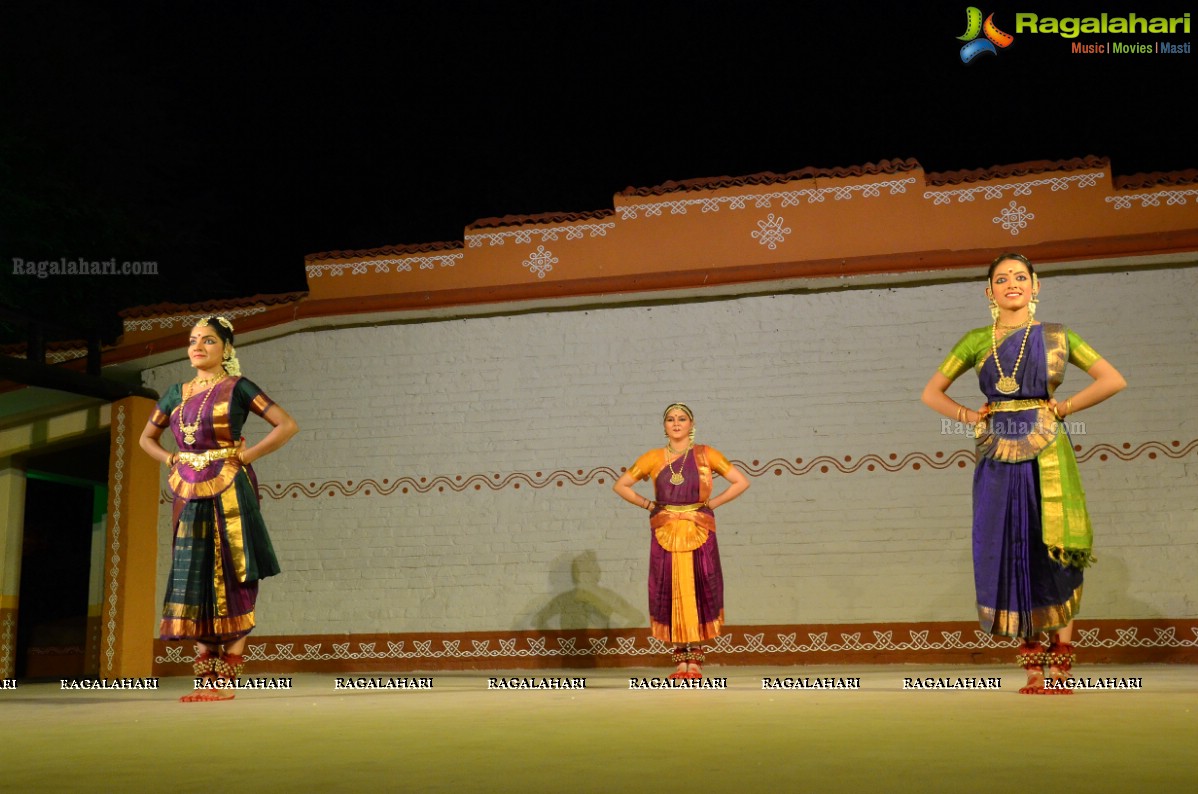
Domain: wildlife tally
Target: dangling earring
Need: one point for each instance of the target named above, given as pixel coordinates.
(993, 306)
(1031, 307)
(231, 364)
(692, 434)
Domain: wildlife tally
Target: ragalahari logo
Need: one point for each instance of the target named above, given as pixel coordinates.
(974, 26)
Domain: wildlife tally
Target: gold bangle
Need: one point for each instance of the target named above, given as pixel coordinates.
(1069, 406)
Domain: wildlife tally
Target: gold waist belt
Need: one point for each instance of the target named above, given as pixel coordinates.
(682, 508)
(200, 460)
(1018, 405)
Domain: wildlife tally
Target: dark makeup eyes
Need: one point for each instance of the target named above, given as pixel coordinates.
(1018, 277)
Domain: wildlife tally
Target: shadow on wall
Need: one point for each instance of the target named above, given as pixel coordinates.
(584, 605)
(1108, 582)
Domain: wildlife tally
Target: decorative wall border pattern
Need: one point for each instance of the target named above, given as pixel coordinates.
(403, 265)
(57, 650)
(1057, 183)
(475, 239)
(788, 198)
(8, 643)
(1171, 198)
(186, 320)
(1146, 640)
(798, 467)
(58, 356)
(118, 476)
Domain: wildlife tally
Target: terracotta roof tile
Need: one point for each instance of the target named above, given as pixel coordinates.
(1156, 178)
(1017, 169)
(544, 217)
(51, 346)
(390, 250)
(770, 178)
(163, 309)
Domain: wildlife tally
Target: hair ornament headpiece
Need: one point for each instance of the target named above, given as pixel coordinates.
(681, 406)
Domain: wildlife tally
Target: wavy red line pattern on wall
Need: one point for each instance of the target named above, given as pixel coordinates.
(601, 475)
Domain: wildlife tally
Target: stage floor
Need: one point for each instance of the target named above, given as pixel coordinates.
(461, 736)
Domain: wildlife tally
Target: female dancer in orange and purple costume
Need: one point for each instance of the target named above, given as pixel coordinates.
(686, 585)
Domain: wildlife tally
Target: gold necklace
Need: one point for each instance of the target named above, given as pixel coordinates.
(189, 431)
(1007, 383)
(676, 477)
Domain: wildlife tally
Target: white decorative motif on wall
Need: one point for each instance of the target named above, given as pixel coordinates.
(118, 477)
(186, 320)
(383, 265)
(540, 261)
(1161, 198)
(538, 647)
(988, 192)
(1014, 218)
(576, 232)
(785, 198)
(770, 232)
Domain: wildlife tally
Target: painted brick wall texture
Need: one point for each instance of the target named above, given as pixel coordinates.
(788, 376)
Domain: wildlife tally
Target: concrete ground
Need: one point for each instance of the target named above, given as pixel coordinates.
(462, 737)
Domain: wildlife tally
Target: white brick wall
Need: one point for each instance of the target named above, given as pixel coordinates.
(782, 376)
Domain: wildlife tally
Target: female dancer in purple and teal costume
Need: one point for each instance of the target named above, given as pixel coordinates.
(1031, 531)
(686, 586)
(220, 546)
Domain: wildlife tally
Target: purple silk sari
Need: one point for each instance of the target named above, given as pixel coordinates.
(706, 598)
(1021, 590)
(220, 545)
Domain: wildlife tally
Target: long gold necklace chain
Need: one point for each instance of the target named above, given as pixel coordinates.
(1007, 383)
(189, 431)
(676, 477)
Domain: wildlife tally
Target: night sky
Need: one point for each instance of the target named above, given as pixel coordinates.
(227, 140)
